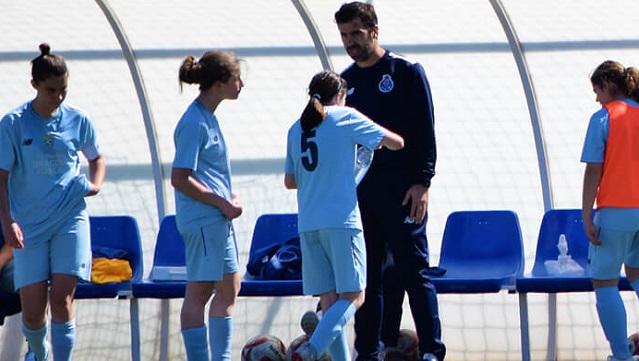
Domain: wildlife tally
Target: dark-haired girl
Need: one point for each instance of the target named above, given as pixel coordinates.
(610, 152)
(42, 207)
(320, 161)
(205, 207)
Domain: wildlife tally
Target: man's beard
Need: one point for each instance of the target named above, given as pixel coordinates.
(360, 53)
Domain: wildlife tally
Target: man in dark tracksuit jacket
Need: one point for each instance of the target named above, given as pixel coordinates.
(393, 196)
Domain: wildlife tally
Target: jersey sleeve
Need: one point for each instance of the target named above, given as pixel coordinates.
(424, 151)
(596, 136)
(90, 147)
(366, 132)
(7, 152)
(188, 139)
(289, 165)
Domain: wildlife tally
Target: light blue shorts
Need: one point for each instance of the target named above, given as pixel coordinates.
(65, 249)
(618, 247)
(333, 259)
(211, 251)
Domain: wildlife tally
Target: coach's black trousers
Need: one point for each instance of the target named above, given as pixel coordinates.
(397, 262)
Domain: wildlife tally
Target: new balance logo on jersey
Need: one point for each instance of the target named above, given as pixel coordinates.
(27, 142)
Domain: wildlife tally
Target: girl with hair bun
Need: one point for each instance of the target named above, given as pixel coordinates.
(610, 179)
(320, 159)
(42, 207)
(206, 206)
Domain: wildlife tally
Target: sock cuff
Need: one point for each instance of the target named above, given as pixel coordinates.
(195, 331)
(69, 325)
(220, 319)
(27, 331)
(607, 290)
(347, 309)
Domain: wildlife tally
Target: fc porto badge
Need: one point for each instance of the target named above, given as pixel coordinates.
(386, 84)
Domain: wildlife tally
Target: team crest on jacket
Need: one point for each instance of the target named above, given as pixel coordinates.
(386, 84)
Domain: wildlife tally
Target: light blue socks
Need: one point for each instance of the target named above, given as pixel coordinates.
(37, 340)
(220, 332)
(338, 349)
(196, 344)
(331, 326)
(612, 315)
(63, 340)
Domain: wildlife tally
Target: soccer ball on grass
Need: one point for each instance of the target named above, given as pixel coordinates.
(264, 348)
(296, 343)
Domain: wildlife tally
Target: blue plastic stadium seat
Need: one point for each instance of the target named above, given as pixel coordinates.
(114, 231)
(118, 232)
(554, 223)
(169, 252)
(482, 252)
(270, 229)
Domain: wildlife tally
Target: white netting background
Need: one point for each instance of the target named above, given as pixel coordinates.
(487, 156)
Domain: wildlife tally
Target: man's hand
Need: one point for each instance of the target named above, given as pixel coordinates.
(417, 195)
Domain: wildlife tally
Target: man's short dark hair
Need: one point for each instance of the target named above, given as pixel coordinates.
(356, 9)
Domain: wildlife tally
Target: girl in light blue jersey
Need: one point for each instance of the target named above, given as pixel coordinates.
(320, 160)
(610, 181)
(42, 207)
(206, 206)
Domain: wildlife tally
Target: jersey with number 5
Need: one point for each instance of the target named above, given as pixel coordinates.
(322, 161)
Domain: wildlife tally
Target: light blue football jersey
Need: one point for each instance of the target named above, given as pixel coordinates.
(42, 158)
(322, 161)
(200, 146)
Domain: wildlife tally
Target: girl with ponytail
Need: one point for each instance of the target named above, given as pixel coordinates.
(610, 180)
(206, 207)
(320, 161)
(42, 206)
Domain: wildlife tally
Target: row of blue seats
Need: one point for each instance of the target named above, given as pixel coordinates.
(481, 251)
